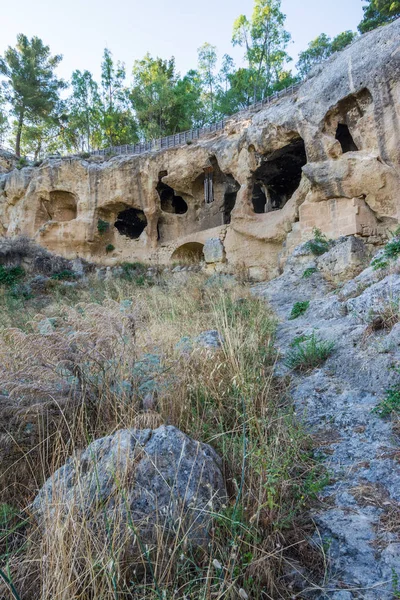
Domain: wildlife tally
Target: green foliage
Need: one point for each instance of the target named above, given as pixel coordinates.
(65, 275)
(102, 226)
(392, 248)
(390, 403)
(265, 41)
(319, 244)
(377, 13)
(118, 125)
(309, 272)
(308, 354)
(321, 48)
(110, 248)
(207, 61)
(9, 276)
(31, 85)
(299, 308)
(163, 102)
(379, 263)
(21, 163)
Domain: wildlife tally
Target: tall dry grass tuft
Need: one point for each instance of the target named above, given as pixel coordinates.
(76, 372)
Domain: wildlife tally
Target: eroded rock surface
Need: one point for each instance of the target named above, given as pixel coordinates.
(359, 514)
(327, 157)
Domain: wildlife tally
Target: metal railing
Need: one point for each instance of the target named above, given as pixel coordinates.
(185, 137)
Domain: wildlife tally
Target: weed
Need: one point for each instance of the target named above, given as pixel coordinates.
(309, 354)
(319, 244)
(102, 226)
(110, 248)
(379, 263)
(390, 403)
(299, 308)
(11, 275)
(64, 275)
(22, 162)
(308, 272)
(392, 248)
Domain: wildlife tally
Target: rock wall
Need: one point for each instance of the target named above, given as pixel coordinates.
(326, 157)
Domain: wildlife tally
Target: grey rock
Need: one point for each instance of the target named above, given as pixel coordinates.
(346, 259)
(373, 300)
(213, 251)
(146, 484)
(212, 339)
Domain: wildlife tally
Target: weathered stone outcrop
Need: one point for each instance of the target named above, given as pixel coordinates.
(327, 157)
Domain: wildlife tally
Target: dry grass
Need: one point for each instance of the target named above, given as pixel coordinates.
(78, 383)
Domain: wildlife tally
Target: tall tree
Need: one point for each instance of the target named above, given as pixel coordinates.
(265, 41)
(321, 48)
(85, 111)
(118, 122)
(207, 62)
(163, 102)
(31, 86)
(379, 12)
(3, 118)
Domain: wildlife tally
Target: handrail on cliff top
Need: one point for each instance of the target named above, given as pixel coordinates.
(185, 137)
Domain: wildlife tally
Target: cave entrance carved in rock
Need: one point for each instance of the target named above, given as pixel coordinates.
(131, 222)
(192, 252)
(170, 202)
(278, 177)
(60, 206)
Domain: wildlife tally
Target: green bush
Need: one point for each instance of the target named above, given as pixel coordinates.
(110, 248)
(11, 275)
(392, 248)
(308, 272)
(319, 244)
(308, 354)
(22, 162)
(64, 275)
(390, 404)
(299, 308)
(102, 226)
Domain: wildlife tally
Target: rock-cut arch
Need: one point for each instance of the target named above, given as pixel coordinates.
(191, 252)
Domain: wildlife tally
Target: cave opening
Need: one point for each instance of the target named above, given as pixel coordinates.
(131, 222)
(278, 177)
(259, 199)
(170, 203)
(192, 252)
(345, 138)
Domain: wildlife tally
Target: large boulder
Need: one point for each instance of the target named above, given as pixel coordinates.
(150, 486)
(376, 298)
(345, 260)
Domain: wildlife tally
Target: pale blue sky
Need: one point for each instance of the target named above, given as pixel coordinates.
(80, 29)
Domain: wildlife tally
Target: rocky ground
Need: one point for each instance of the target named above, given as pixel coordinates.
(358, 520)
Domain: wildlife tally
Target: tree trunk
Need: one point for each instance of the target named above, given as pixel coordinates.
(19, 133)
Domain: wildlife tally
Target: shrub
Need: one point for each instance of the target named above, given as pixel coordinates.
(85, 155)
(102, 226)
(319, 244)
(308, 354)
(308, 272)
(392, 248)
(64, 275)
(299, 308)
(11, 275)
(22, 162)
(390, 403)
(110, 248)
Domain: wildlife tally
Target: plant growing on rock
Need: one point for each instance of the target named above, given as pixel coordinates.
(299, 308)
(319, 244)
(309, 354)
(309, 272)
(110, 248)
(102, 226)
(11, 275)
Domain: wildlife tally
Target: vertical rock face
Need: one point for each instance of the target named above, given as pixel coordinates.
(326, 157)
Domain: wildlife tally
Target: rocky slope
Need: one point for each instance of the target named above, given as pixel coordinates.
(358, 520)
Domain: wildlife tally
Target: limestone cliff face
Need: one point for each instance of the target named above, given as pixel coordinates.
(327, 157)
